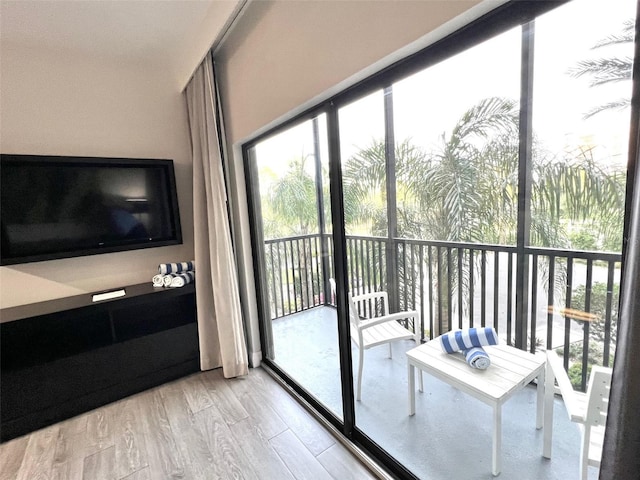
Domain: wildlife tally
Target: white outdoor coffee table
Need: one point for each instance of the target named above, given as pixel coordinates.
(511, 370)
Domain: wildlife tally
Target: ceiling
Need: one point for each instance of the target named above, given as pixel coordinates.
(149, 31)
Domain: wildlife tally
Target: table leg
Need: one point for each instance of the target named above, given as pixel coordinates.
(412, 389)
(540, 399)
(497, 439)
(548, 412)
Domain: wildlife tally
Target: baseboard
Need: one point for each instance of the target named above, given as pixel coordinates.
(255, 359)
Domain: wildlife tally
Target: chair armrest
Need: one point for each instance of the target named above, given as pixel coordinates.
(388, 318)
(569, 395)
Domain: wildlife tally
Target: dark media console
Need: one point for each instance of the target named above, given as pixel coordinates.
(63, 357)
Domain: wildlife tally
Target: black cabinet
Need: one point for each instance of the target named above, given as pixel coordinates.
(67, 356)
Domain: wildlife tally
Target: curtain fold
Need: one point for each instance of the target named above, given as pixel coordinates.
(220, 327)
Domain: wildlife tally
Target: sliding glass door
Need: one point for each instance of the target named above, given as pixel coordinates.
(293, 215)
(480, 183)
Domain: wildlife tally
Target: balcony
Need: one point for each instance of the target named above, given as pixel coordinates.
(448, 426)
(452, 285)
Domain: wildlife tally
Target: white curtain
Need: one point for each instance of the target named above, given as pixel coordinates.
(220, 326)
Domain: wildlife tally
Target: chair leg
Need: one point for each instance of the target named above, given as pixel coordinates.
(584, 452)
(360, 362)
(390, 351)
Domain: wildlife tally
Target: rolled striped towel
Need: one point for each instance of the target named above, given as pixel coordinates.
(166, 268)
(181, 279)
(471, 337)
(158, 280)
(476, 357)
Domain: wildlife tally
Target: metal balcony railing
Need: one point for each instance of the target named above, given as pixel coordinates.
(571, 295)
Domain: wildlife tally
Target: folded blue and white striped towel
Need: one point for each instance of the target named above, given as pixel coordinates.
(174, 279)
(471, 337)
(476, 357)
(181, 279)
(167, 268)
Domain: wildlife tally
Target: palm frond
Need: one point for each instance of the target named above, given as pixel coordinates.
(603, 70)
(625, 36)
(488, 116)
(619, 104)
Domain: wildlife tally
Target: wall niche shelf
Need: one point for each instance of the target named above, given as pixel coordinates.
(63, 357)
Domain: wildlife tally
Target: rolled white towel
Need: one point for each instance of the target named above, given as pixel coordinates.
(166, 279)
(181, 279)
(167, 268)
(477, 357)
(471, 337)
(158, 280)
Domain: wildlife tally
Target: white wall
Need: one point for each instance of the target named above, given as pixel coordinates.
(284, 56)
(62, 104)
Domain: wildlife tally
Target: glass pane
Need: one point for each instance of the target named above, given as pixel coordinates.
(456, 129)
(581, 115)
(294, 199)
(455, 165)
(362, 151)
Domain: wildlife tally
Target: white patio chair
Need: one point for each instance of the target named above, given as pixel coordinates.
(588, 410)
(372, 325)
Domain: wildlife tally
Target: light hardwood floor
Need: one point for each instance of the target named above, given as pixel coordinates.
(199, 427)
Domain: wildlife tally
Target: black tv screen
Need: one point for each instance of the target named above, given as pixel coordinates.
(59, 207)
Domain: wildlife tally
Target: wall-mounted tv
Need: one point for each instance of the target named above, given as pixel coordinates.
(59, 207)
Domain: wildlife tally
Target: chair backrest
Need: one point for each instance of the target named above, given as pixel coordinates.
(598, 396)
(354, 318)
(372, 304)
(365, 306)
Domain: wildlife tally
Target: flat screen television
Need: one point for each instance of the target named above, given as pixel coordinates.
(59, 207)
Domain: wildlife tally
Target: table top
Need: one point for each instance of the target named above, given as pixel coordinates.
(510, 369)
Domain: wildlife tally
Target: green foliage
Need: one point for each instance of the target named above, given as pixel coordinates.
(583, 238)
(575, 374)
(594, 357)
(576, 188)
(290, 206)
(598, 306)
(293, 198)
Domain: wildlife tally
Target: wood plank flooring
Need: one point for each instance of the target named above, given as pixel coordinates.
(199, 427)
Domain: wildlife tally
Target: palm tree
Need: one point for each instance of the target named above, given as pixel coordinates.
(291, 201)
(467, 189)
(441, 195)
(456, 188)
(365, 192)
(290, 208)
